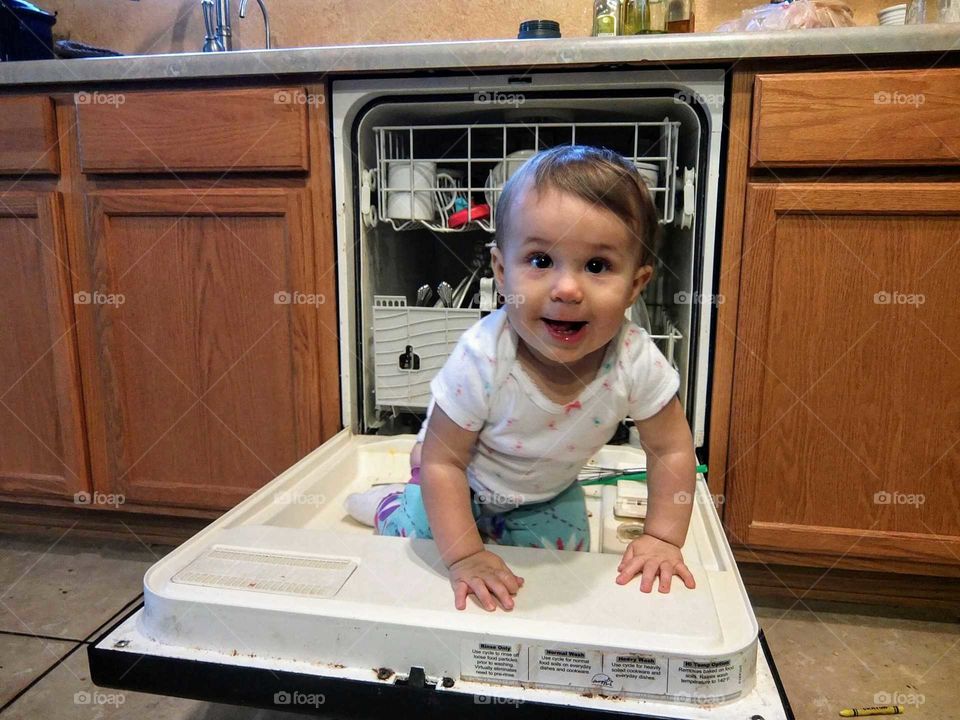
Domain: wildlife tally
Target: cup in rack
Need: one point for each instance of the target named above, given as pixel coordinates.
(502, 172)
(649, 171)
(449, 190)
(413, 190)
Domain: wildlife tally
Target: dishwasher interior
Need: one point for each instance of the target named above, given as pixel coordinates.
(425, 175)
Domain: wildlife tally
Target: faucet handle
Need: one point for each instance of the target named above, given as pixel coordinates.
(211, 42)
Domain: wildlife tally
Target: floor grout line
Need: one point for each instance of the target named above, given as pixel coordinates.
(40, 677)
(53, 638)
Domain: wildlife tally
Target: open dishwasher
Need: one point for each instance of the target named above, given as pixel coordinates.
(285, 602)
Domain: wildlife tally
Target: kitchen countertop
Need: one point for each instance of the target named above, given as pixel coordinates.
(474, 55)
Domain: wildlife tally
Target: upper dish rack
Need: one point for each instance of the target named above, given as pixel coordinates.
(437, 170)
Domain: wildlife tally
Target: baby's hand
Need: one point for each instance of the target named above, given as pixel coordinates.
(484, 573)
(653, 557)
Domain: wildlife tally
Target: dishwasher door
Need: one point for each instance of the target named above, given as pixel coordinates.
(287, 603)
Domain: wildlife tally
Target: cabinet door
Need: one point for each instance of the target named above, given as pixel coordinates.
(41, 441)
(199, 341)
(845, 425)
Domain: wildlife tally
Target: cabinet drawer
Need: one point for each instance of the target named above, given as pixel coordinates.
(217, 130)
(28, 136)
(837, 119)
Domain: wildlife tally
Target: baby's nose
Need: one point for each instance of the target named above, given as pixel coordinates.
(566, 288)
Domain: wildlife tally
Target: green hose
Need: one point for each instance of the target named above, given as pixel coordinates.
(614, 478)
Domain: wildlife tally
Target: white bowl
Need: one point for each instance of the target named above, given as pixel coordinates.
(497, 177)
(650, 172)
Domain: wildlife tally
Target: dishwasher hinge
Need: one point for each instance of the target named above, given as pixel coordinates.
(416, 679)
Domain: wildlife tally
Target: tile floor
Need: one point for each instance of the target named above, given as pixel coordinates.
(57, 595)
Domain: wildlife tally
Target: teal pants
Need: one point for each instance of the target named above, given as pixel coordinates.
(560, 523)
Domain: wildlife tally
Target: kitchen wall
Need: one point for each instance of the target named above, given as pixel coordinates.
(159, 26)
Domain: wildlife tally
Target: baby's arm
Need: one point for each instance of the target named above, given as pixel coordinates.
(671, 480)
(446, 496)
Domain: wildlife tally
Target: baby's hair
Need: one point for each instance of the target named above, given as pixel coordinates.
(596, 175)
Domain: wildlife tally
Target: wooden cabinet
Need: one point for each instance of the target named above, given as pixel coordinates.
(175, 251)
(41, 440)
(251, 129)
(201, 353)
(28, 136)
(846, 404)
(864, 118)
(836, 383)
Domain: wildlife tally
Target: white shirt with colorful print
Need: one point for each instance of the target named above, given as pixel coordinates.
(530, 449)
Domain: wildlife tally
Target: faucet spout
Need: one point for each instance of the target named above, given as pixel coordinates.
(266, 18)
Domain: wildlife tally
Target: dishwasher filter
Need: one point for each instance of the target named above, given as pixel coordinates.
(287, 583)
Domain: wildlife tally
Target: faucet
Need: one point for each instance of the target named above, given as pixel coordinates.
(218, 37)
(216, 22)
(266, 18)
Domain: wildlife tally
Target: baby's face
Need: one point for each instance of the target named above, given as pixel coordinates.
(568, 270)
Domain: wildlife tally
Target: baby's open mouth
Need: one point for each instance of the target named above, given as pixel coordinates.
(565, 327)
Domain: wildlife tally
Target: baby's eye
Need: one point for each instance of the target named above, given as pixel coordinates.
(597, 265)
(540, 261)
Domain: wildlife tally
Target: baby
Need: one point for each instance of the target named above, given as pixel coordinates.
(537, 387)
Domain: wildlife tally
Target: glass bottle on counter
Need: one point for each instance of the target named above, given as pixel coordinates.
(606, 18)
(680, 16)
(644, 16)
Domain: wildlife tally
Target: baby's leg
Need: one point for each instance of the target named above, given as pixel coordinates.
(402, 514)
(365, 507)
(559, 524)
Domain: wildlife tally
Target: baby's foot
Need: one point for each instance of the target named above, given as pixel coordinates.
(363, 506)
